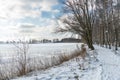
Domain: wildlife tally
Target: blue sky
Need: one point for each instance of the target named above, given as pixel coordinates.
(35, 19)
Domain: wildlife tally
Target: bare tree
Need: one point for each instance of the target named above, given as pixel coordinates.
(108, 22)
(80, 19)
(22, 58)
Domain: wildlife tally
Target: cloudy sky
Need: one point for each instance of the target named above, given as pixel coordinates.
(29, 19)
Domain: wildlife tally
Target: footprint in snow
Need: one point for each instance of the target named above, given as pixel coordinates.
(43, 78)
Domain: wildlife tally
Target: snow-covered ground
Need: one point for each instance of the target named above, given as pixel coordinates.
(106, 68)
(8, 51)
(110, 64)
(70, 70)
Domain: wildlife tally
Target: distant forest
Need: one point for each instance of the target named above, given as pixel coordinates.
(35, 41)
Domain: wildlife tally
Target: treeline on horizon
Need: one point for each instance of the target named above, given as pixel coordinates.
(35, 41)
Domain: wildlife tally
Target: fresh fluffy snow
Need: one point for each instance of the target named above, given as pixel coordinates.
(8, 51)
(107, 67)
(67, 71)
(110, 64)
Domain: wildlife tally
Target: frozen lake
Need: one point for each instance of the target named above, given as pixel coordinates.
(9, 50)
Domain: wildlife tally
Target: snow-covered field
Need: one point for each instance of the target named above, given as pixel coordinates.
(107, 67)
(7, 51)
(37, 57)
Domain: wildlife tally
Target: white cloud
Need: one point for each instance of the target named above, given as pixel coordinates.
(17, 9)
(7, 32)
(46, 5)
(40, 31)
(13, 10)
(10, 9)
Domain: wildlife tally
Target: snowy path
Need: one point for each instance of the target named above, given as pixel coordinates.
(110, 64)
